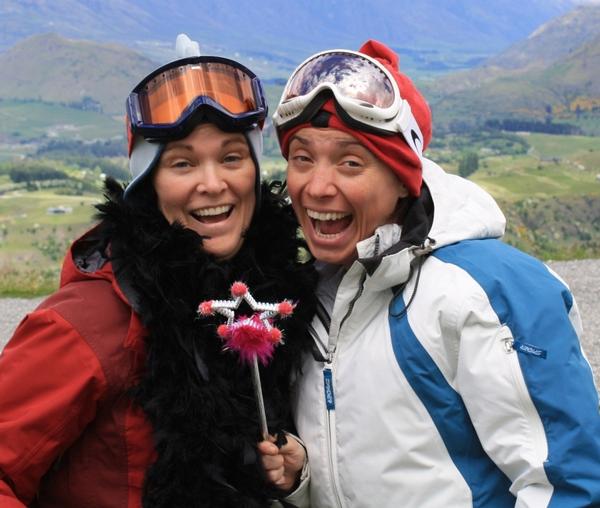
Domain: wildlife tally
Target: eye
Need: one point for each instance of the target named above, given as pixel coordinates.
(180, 163)
(176, 163)
(232, 158)
(352, 163)
(302, 158)
(235, 154)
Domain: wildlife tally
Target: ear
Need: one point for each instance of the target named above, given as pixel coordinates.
(401, 205)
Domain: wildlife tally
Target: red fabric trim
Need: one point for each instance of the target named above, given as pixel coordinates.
(391, 150)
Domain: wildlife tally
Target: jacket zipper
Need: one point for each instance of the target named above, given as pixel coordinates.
(331, 438)
(329, 392)
(511, 347)
(348, 312)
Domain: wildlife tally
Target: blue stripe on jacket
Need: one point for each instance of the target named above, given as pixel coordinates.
(489, 486)
(535, 305)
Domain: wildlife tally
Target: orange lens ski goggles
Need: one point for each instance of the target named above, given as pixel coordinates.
(163, 104)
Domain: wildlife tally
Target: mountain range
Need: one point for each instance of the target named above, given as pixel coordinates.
(550, 75)
(286, 29)
(51, 68)
(548, 71)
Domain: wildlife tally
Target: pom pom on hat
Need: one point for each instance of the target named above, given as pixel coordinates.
(392, 150)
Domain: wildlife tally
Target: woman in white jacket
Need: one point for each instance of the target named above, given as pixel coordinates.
(447, 369)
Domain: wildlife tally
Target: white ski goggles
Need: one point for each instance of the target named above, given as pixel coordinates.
(365, 92)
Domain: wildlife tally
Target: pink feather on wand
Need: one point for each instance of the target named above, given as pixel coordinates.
(253, 337)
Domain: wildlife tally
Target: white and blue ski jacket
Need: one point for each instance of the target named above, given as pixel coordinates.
(449, 375)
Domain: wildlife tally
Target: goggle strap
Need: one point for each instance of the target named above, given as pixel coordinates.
(410, 129)
(251, 108)
(130, 137)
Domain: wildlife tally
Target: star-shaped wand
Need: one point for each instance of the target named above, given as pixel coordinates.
(253, 337)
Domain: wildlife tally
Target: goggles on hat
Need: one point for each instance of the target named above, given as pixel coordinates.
(366, 95)
(161, 106)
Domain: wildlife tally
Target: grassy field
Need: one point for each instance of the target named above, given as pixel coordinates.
(34, 120)
(551, 196)
(517, 178)
(575, 147)
(33, 241)
(554, 166)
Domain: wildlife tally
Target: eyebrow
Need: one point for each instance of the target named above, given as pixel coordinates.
(302, 140)
(349, 142)
(340, 142)
(174, 145)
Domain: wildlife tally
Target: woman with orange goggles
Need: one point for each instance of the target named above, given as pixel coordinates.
(113, 392)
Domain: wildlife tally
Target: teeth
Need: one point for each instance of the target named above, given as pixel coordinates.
(216, 210)
(313, 214)
(323, 235)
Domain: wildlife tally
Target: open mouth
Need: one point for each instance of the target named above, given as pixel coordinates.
(213, 214)
(329, 224)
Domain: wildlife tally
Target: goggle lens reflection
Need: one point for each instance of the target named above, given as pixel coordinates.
(166, 96)
(355, 77)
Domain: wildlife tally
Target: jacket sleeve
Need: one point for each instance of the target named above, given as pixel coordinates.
(50, 383)
(529, 390)
(300, 496)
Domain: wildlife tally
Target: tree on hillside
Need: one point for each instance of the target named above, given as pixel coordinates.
(468, 164)
(29, 173)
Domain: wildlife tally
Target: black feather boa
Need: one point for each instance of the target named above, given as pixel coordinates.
(198, 398)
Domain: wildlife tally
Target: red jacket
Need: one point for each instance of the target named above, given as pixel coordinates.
(69, 435)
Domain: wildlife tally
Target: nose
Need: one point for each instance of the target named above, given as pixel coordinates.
(321, 182)
(210, 180)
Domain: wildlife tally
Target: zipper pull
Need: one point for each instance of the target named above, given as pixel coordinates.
(328, 387)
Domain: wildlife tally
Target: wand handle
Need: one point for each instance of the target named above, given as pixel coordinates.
(258, 395)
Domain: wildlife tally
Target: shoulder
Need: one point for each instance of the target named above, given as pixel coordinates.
(100, 319)
(508, 276)
(494, 285)
(486, 280)
(90, 306)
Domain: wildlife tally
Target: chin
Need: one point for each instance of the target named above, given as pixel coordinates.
(223, 252)
(333, 258)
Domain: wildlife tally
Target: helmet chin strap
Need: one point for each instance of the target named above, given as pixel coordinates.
(255, 142)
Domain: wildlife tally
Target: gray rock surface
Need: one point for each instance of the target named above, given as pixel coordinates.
(583, 277)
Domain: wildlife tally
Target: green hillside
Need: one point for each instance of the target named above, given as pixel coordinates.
(38, 120)
(63, 96)
(550, 195)
(548, 187)
(85, 74)
(552, 77)
(33, 241)
(552, 41)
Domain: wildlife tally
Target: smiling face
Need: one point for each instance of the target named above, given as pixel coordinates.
(340, 192)
(206, 182)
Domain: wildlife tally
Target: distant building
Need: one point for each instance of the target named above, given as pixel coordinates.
(56, 210)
